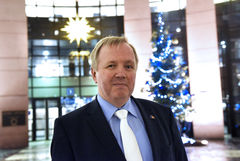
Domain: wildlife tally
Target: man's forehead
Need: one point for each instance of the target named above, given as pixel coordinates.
(115, 45)
(124, 61)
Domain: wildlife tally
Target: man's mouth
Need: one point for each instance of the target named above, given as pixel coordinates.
(119, 84)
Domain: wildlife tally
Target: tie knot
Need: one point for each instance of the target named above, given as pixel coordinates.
(121, 114)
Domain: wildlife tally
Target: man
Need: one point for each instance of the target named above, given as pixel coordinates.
(94, 132)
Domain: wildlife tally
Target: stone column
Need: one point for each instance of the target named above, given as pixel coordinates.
(137, 29)
(204, 71)
(13, 74)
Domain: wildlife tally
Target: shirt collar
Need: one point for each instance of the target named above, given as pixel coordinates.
(109, 109)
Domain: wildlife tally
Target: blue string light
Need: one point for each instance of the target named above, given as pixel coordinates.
(169, 84)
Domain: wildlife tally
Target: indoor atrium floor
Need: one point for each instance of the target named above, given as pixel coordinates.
(216, 150)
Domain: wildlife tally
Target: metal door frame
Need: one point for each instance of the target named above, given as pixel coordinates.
(34, 124)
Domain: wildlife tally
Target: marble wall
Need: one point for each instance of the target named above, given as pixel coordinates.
(13, 74)
(204, 70)
(138, 30)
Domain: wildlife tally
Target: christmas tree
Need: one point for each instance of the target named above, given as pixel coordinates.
(169, 85)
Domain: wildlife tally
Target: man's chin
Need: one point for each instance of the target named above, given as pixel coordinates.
(121, 95)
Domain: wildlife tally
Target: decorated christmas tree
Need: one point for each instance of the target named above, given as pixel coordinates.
(169, 85)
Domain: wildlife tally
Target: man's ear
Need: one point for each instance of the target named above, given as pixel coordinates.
(93, 72)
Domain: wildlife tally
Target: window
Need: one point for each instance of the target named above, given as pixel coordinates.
(67, 8)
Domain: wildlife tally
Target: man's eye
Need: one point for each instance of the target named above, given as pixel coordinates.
(110, 66)
(129, 66)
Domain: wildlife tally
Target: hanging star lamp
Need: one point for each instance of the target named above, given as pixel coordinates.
(78, 30)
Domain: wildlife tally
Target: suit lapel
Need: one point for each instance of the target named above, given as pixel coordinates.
(157, 137)
(103, 132)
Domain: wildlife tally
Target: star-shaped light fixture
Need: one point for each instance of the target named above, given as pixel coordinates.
(78, 30)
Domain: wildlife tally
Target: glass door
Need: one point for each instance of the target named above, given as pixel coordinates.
(53, 113)
(44, 112)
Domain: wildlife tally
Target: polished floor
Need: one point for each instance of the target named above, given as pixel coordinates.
(215, 150)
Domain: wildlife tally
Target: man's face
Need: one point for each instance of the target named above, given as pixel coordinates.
(116, 73)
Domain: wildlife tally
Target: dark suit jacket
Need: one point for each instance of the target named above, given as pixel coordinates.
(85, 135)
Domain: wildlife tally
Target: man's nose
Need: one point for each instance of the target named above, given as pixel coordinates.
(120, 72)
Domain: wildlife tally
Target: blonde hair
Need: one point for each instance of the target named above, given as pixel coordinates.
(108, 41)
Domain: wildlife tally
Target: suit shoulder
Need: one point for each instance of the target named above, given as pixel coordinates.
(152, 104)
(145, 101)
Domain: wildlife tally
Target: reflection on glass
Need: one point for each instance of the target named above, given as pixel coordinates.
(108, 11)
(72, 71)
(40, 134)
(66, 52)
(87, 81)
(44, 42)
(81, 70)
(31, 11)
(52, 115)
(165, 6)
(120, 2)
(48, 69)
(88, 12)
(107, 2)
(66, 71)
(66, 44)
(44, 2)
(120, 10)
(71, 103)
(42, 60)
(30, 2)
(70, 81)
(88, 2)
(236, 50)
(46, 82)
(46, 92)
(65, 12)
(30, 119)
(45, 51)
(89, 91)
(30, 135)
(64, 2)
(65, 61)
(46, 113)
(40, 119)
(220, 1)
(70, 91)
(77, 73)
(65, 8)
(45, 11)
(182, 4)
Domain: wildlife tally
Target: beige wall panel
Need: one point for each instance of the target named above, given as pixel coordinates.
(203, 56)
(13, 45)
(137, 13)
(13, 27)
(199, 5)
(12, 10)
(197, 18)
(16, 137)
(13, 83)
(133, 24)
(202, 36)
(13, 103)
(204, 70)
(209, 71)
(133, 4)
(9, 64)
(13, 70)
(142, 47)
(137, 29)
